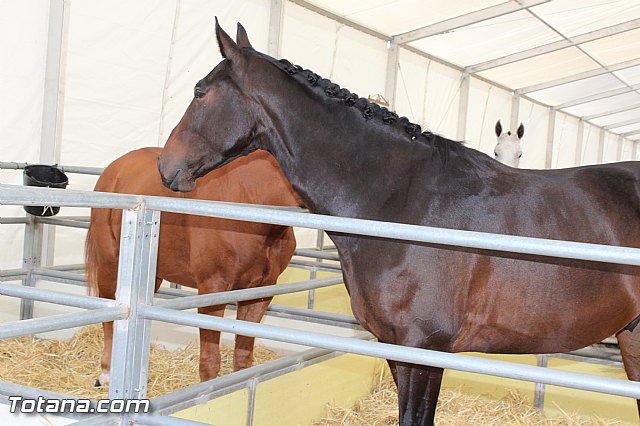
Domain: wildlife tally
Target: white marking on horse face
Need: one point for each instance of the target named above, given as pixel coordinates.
(508, 149)
(104, 378)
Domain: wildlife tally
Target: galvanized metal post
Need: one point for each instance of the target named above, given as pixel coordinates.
(515, 111)
(391, 79)
(551, 127)
(136, 285)
(463, 107)
(31, 258)
(577, 160)
(276, 16)
(538, 397)
(313, 272)
(601, 146)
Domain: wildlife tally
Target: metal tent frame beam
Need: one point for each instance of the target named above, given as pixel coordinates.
(552, 47)
(465, 20)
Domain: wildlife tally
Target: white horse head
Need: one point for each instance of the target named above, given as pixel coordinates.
(509, 148)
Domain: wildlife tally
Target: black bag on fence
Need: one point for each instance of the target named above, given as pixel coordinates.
(44, 176)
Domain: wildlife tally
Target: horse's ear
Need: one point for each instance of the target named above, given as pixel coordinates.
(520, 131)
(498, 129)
(228, 47)
(242, 38)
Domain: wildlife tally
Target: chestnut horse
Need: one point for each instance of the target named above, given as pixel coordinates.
(209, 254)
(347, 157)
(508, 149)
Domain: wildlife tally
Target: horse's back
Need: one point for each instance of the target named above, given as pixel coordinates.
(193, 248)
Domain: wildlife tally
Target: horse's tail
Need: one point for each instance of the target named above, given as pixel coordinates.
(90, 258)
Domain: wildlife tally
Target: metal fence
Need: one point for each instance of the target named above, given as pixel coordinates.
(133, 309)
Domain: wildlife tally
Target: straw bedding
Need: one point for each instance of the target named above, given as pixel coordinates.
(455, 408)
(72, 366)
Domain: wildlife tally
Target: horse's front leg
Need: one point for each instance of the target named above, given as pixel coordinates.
(418, 390)
(251, 310)
(210, 346)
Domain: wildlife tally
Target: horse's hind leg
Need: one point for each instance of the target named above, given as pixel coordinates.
(629, 342)
(418, 390)
(108, 291)
(251, 310)
(210, 345)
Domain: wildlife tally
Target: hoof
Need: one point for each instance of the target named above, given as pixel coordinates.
(97, 384)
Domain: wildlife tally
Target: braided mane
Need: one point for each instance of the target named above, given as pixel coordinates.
(370, 110)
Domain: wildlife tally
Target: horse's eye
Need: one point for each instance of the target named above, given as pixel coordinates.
(198, 93)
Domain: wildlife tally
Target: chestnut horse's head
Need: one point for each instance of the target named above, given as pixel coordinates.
(219, 124)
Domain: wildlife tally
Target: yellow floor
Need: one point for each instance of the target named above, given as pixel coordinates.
(301, 397)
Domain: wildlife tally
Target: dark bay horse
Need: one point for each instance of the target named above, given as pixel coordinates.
(347, 157)
(209, 254)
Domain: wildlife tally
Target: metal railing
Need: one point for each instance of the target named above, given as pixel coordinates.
(136, 283)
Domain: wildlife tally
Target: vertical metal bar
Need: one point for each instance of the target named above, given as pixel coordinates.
(31, 258)
(52, 109)
(551, 127)
(601, 146)
(251, 403)
(391, 79)
(538, 398)
(620, 143)
(136, 285)
(515, 111)
(577, 159)
(463, 107)
(276, 14)
(313, 272)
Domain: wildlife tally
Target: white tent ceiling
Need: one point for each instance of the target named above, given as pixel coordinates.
(581, 57)
(84, 81)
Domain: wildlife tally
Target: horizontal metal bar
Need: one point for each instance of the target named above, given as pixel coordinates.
(46, 273)
(59, 322)
(13, 274)
(317, 254)
(50, 296)
(8, 389)
(13, 220)
(158, 420)
(36, 196)
(173, 401)
(11, 194)
(99, 420)
(427, 234)
(65, 169)
(62, 222)
(69, 267)
(399, 353)
(308, 314)
(315, 265)
(223, 298)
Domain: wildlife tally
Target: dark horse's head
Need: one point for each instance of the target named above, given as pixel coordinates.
(219, 124)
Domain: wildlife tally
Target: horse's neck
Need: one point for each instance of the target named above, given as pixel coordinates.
(337, 171)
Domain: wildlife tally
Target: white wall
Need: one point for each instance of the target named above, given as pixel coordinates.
(129, 70)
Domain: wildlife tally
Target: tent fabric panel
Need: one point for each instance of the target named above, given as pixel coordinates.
(575, 17)
(488, 39)
(559, 64)
(487, 105)
(428, 93)
(566, 92)
(565, 139)
(534, 142)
